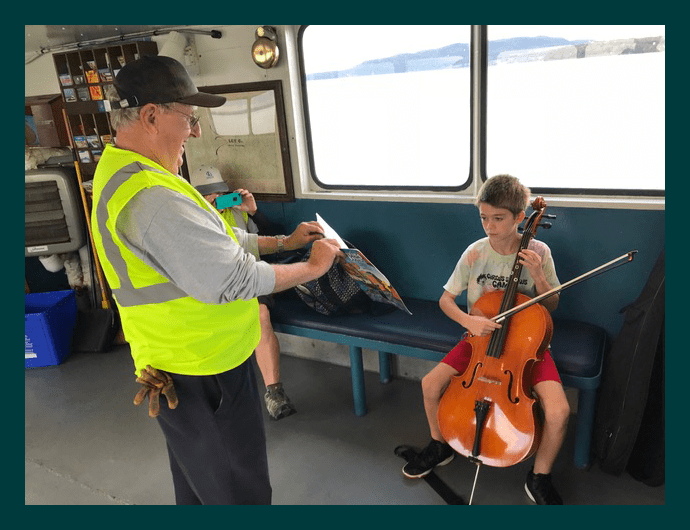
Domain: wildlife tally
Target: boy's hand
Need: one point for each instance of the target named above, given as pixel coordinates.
(154, 383)
(479, 326)
(532, 262)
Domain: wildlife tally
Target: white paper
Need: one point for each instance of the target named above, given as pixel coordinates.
(329, 232)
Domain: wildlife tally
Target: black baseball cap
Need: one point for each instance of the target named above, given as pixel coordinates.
(159, 79)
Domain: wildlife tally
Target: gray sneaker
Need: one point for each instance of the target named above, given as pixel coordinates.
(278, 404)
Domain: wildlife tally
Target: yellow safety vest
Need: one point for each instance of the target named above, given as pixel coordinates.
(164, 326)
(229, 215)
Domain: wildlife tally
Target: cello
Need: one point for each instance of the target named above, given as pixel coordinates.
(487, 413)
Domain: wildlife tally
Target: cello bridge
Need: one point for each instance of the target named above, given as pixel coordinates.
(488, 380)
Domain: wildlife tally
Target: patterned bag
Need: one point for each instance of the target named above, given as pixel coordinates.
(334, 293)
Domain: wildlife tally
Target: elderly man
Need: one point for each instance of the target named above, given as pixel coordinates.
(186, 285)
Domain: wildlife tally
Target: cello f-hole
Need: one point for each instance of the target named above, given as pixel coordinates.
(474, 374)
(510, 388)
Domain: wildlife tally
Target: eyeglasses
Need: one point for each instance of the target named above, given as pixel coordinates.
(191, 118)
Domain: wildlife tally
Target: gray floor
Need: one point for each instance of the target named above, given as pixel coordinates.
(85, 443)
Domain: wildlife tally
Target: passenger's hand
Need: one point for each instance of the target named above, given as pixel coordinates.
(154, 383)
(323, 253)
(248, 202)
(479, 325)
(304, 234)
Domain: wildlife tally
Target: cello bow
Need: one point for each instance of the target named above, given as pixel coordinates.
(594, 272)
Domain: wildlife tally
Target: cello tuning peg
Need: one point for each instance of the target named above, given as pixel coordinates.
(549, 216)
(545, 225)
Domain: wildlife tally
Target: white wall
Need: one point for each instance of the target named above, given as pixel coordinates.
(40, 77)
(220, 61)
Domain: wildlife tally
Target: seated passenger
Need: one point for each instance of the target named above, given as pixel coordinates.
(209, 182)
(501, 202)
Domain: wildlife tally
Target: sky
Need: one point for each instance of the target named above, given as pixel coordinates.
(383, 41)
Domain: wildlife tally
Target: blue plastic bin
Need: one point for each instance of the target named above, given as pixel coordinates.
(49, 325)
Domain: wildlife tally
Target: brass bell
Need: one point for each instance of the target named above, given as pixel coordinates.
(265, 50)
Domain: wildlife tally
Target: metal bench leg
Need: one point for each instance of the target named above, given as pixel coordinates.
(585, 423)
(385, 366)
(357, 374)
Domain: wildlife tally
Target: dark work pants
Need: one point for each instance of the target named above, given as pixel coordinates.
(216, 440)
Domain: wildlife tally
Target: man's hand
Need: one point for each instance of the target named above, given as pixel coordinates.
(323, 253)
(154, 382)
(304, 234)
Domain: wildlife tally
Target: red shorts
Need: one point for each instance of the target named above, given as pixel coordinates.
(543, 370)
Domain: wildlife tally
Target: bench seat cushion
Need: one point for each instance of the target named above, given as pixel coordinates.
(577, 347)
(427, 327)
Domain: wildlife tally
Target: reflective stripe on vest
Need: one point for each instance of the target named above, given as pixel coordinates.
(229, 214)
(127, 295)
(165, 327)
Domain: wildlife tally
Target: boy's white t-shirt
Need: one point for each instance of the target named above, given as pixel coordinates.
(481, 270)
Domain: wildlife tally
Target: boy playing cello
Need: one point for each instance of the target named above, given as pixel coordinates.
(485, 266)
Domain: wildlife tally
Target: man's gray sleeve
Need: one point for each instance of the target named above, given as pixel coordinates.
(190, 246)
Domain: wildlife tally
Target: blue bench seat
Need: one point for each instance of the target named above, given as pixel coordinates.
(577, 348)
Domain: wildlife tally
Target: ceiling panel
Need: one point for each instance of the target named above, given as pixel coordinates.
(39, 37)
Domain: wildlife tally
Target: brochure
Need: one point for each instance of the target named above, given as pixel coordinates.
(368, 277)
(96, 92)
(70, 95)
(91, 76)
(83, 93)
(93, 142)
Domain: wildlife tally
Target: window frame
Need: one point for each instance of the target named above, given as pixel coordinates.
(558, 192)
(310, 187)
(379, 187)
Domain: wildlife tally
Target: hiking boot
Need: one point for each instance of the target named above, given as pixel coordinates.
(278, 404)
(435, 454)
(540, 490)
